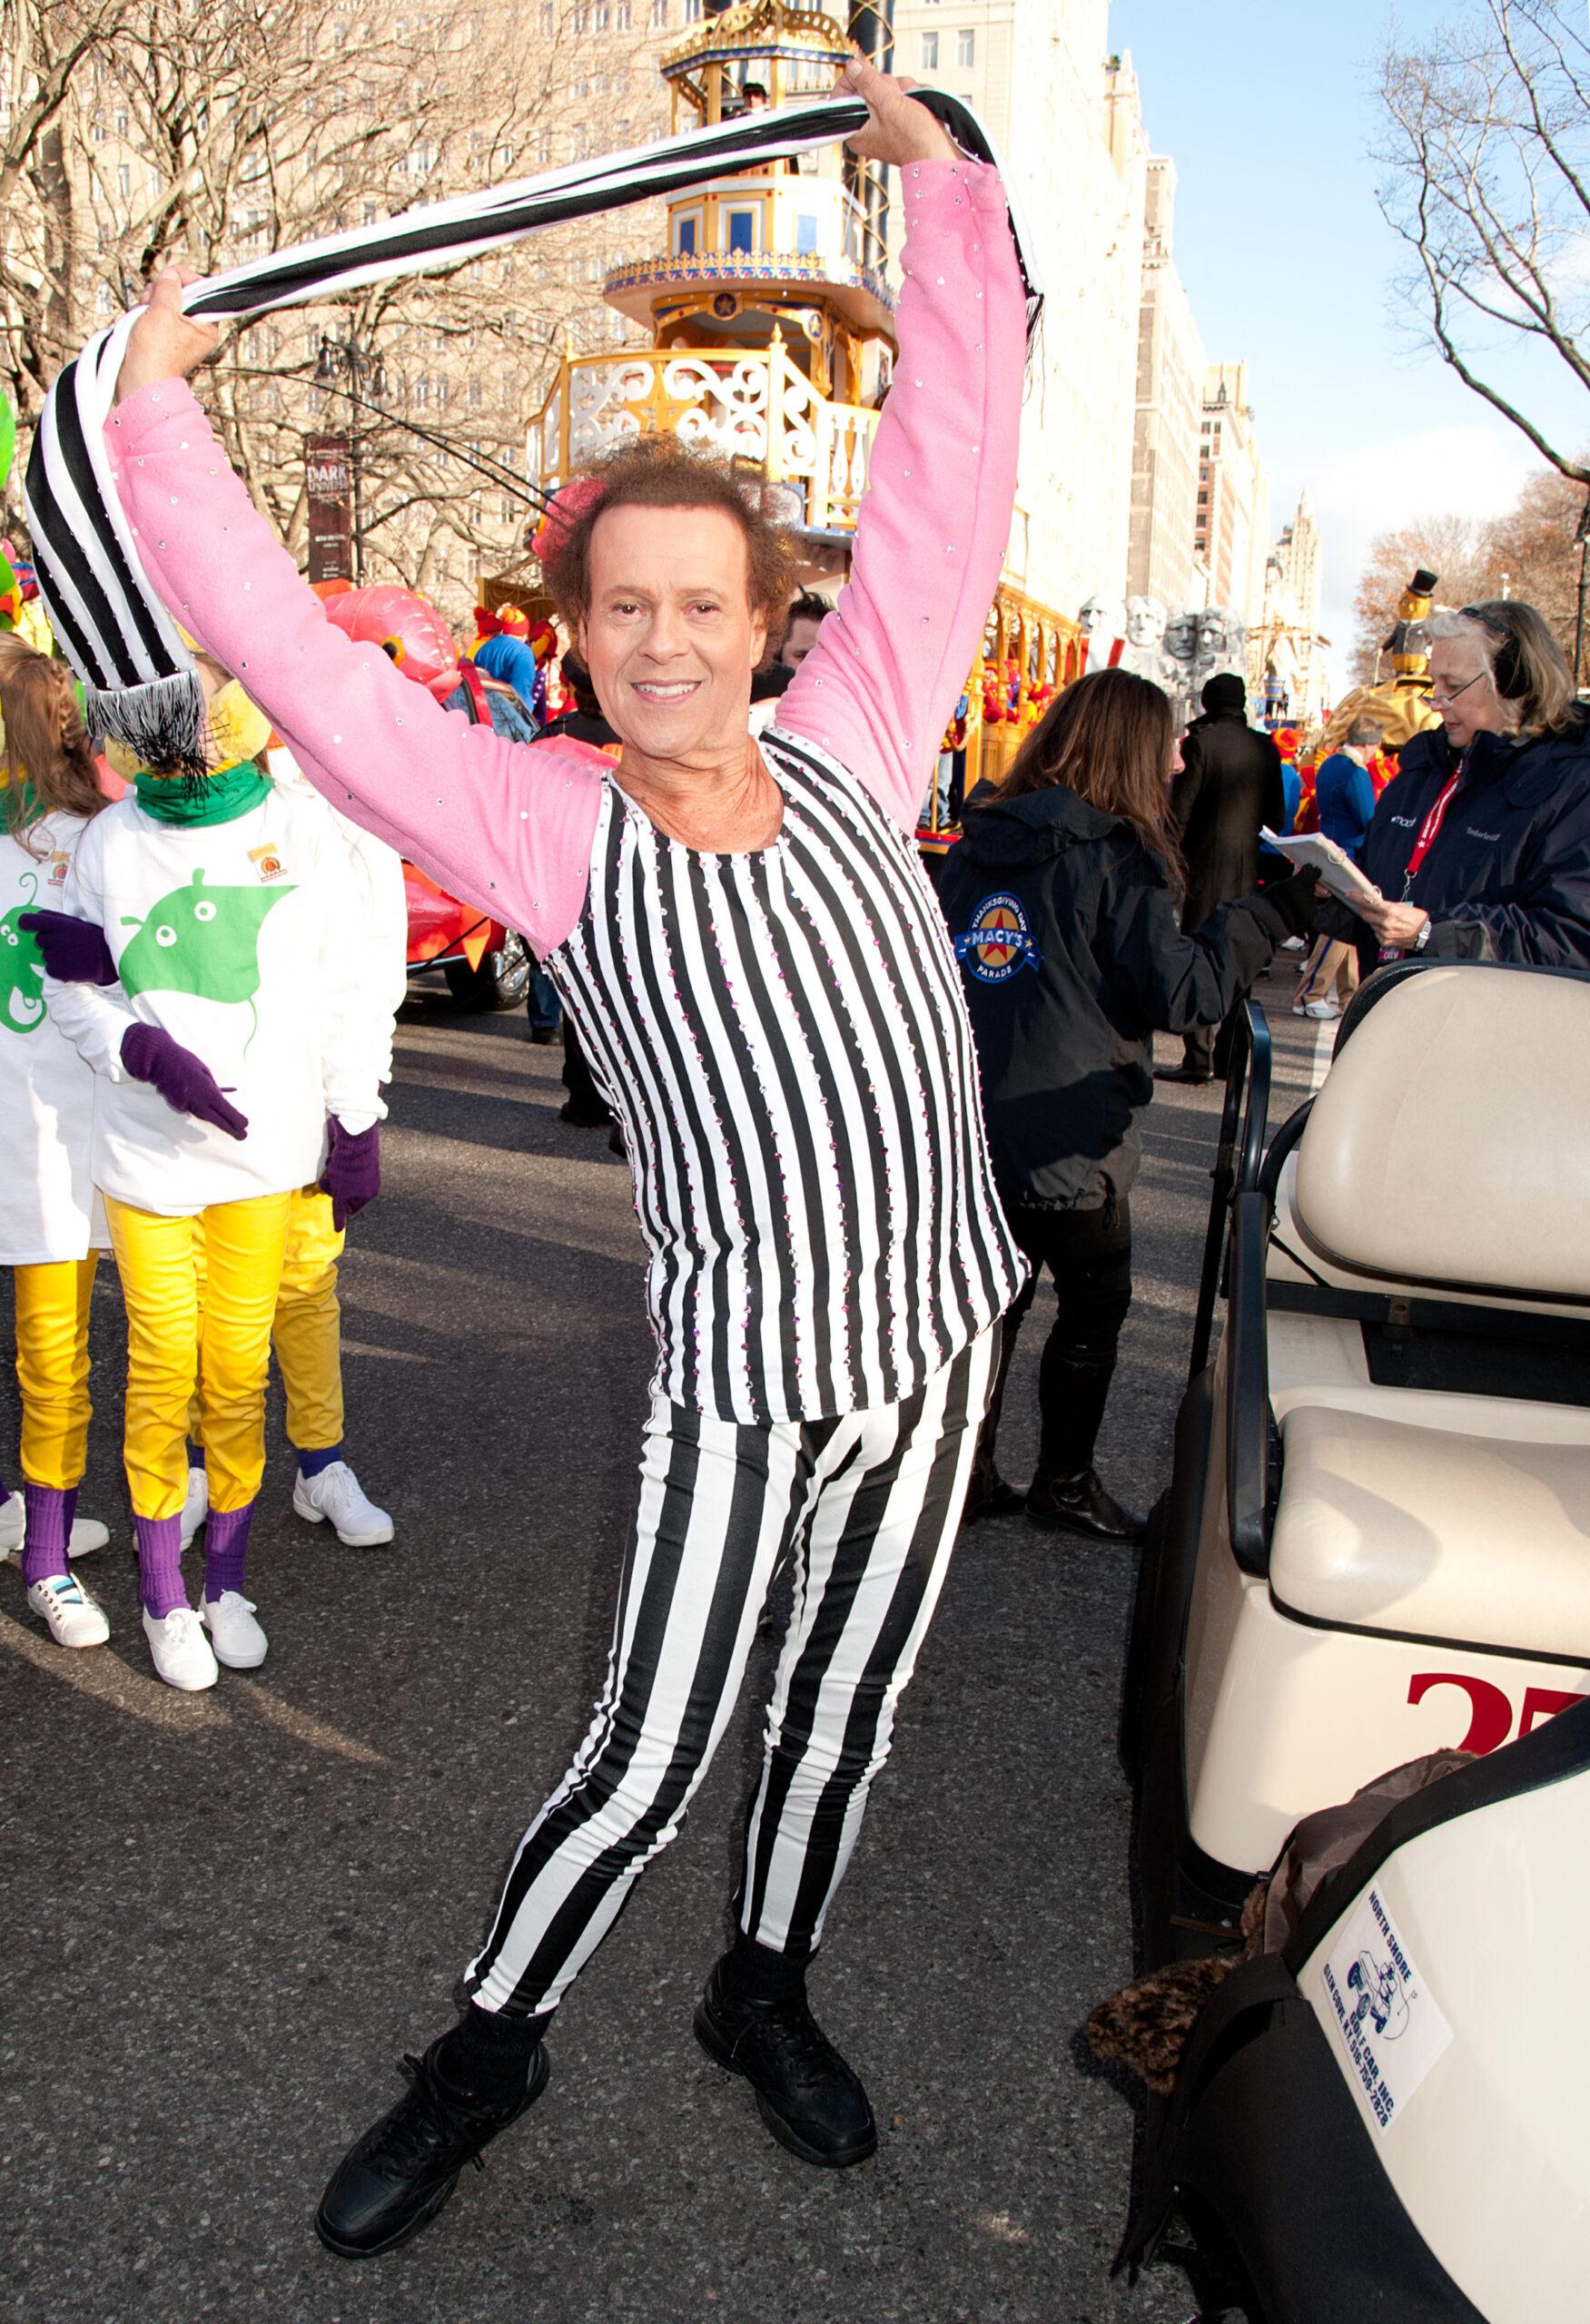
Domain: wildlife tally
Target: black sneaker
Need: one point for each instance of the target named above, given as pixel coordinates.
(809, 2097)
(404, 2168)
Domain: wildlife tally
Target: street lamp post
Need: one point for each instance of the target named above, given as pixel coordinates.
(366, 374)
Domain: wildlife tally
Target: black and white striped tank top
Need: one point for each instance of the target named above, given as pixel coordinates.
(783, 1039)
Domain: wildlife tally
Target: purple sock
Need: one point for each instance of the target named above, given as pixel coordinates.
(226, 1545)
(160, 1565)
(310, 1464)
(49, 1529)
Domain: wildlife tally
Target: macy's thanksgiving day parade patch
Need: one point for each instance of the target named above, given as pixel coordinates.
(998, 943)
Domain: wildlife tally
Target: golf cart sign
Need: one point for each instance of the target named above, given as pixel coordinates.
(1381, 2011)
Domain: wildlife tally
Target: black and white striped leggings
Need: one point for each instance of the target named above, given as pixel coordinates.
(866, 1507)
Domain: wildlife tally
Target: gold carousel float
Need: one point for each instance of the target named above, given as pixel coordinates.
(771, 325)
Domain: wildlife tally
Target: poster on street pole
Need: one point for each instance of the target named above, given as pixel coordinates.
(327, 470)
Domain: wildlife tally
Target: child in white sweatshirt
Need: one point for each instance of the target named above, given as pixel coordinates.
(223, 1019)
(307, 1332)
(51, 1223)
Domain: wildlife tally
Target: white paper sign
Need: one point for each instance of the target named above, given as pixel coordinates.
(1385, 2019)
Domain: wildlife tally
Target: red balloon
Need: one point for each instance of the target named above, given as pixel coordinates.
(405, 626)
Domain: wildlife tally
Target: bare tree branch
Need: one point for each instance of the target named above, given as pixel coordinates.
(1488, 187)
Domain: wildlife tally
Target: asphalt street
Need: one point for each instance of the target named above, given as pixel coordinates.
(227, 1915)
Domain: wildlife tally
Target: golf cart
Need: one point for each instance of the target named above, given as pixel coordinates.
(1376, 1545)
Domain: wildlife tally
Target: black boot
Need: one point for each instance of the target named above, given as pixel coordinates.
(1081, 1505)
(401, 2173)
(989, 1495)
(809, 2097)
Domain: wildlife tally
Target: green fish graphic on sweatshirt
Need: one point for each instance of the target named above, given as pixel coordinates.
(21, 971)
(200, 939)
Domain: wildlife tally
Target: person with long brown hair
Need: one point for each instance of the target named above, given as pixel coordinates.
(1063, 898)
(51, 1223)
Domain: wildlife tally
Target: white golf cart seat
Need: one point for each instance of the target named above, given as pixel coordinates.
(1421, 1574)
(1467, 1517)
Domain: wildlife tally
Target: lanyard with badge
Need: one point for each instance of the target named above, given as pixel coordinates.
(1428, 832)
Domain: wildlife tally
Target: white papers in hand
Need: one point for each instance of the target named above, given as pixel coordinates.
(1336, 869)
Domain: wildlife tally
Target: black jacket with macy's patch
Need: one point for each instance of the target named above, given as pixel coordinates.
(1072, 954)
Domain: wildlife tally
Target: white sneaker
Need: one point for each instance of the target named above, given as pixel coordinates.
(75, 1618)
(195, 1504)
(238, 1641)
(1293, 944)
(1320, 1008)
(87, 1533)
(336, 1493)
(180, 1650)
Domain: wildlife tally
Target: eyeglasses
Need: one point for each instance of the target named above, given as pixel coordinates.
(1439, 693)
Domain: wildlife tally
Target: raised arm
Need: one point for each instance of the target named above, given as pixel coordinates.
(508, 829)
(891, 659)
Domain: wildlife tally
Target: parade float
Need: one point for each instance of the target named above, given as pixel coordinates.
(771, 325)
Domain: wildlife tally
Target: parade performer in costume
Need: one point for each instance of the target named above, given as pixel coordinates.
(754, 960)
(51, 1228)
(218, 911)
(306, 1334)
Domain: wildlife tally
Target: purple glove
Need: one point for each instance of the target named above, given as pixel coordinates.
(74, 950)
(352, 1174)
(182, 1080)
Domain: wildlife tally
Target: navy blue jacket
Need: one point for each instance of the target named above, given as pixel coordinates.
(1512, 858)
(1072, 954)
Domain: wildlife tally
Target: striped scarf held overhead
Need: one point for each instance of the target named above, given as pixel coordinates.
(142, 687)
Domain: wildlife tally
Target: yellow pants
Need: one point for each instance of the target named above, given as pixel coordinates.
(308, 1329)
(235, 1249)
(309, 1325)
(51, 1369)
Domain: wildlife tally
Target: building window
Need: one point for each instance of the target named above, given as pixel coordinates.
(622, 15)
(660, 12)
(604, 15)
(929, 53)
(741, 229)
(422, 392)
(125, 179)
(477, 395)
(966, 47)
(805, 232)
(685, 236)
(549, 20)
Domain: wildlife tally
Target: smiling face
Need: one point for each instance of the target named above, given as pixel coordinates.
(669, 638)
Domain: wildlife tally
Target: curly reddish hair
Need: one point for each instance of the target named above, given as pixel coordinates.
(660, 472)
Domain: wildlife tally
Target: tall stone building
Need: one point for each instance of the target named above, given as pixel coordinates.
(1231, 518)
(1170, 367)
(1065, 116)
(1285, 651)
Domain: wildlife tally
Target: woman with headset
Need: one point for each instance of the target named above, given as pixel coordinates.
(1481, 846)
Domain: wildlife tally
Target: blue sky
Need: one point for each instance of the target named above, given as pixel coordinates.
(1268, 108)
